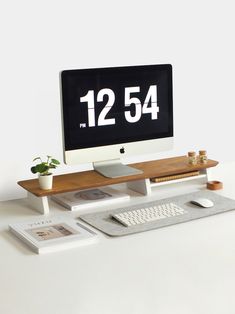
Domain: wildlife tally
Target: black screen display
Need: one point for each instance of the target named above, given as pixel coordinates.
(116, 105)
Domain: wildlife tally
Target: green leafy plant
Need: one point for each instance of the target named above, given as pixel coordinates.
(44, 166)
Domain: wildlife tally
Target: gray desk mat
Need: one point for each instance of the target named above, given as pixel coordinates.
(104, 222)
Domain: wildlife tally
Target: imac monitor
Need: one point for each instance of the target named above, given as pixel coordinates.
(111, 113)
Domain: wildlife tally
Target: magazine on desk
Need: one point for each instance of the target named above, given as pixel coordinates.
(53, 234)
(88, 198)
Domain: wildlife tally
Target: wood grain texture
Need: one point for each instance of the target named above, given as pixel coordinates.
(175, 176)
(91, 179)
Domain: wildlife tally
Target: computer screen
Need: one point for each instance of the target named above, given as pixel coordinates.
(109, 113)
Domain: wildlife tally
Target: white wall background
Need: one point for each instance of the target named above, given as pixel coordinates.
(39, 39)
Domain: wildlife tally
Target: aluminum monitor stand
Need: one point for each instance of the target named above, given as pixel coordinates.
(115, 169)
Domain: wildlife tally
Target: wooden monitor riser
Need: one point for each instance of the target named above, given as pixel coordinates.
(91, 179)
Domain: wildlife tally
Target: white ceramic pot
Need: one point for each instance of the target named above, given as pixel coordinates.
(45, 182)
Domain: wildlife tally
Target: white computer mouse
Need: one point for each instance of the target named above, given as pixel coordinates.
(202, 202)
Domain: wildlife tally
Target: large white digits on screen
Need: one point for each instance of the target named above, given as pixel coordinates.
(89, 98)
(149, 106)
(153, 108)
(132, 100)
(102, 120)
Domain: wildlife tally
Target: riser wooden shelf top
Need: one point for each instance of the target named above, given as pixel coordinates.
(91, 179)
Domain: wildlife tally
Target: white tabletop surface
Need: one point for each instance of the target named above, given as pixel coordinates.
(187, 268)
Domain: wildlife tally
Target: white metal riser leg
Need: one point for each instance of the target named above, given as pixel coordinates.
(40, 203)
(140, 186)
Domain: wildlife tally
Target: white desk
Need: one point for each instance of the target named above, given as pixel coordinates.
(187, 268)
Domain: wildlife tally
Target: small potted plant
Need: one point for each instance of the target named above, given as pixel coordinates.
(45, 177)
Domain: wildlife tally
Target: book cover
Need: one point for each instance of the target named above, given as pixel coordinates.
(53, 234)
(88, 198)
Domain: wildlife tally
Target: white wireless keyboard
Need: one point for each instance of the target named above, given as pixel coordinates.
(147, 214)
